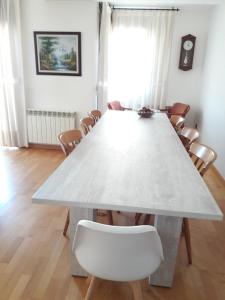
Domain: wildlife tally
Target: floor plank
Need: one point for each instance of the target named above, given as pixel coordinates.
(34, 255)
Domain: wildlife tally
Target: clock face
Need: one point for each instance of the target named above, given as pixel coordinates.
(188, 45)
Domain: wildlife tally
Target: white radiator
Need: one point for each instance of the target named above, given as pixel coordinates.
(44, 126)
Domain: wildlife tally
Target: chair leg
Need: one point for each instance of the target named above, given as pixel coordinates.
(110, 216)
(88, 280)
(187, 237)
(147, 219)
(101, 213)
(92, 286)
(66, 223)
(136, 288)
(137, 218)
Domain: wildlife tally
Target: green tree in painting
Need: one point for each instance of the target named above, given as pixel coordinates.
(47, 47)
(70, 60)
(73, 59)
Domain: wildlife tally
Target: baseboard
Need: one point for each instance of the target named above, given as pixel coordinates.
(214, 169)
(44, 146)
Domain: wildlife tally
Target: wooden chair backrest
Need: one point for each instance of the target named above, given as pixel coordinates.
(202, 156)
(188, 135)
(86, 124)
(95, 114)
(180, 109)
(69, 139)
(177, 121)
(115, 105)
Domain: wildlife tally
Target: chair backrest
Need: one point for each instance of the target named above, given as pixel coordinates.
(177, 121)
(203, 156)
(86, 124)
(180, 109)
(95, 114)
(118, 253)
(115, 105)
(188, 135)
(69, 139)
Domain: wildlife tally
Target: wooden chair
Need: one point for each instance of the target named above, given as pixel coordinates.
(179, 109)
(117, 253)
(188, 136)
(68, 141)
(203, 157)
(146, 219)
(86, 124)
(177, 122)
(115, 105)
(95, 114)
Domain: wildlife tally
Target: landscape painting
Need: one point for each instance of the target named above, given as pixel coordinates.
(58, 53)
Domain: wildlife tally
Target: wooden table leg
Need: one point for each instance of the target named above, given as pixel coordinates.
(77, 214)
(169, 229)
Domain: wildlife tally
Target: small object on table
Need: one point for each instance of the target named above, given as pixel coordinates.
(145, 112)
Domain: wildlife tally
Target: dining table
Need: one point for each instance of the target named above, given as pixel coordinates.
(131, 164)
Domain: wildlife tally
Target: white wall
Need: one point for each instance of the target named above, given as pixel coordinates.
(69, 93)
(185, 86)
(79, 93)
(212, 113)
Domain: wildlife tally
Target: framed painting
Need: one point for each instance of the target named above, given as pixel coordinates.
(58, 53)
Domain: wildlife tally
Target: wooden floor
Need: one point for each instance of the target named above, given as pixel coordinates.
(34, 255)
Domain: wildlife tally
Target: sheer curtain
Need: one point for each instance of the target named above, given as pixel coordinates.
(140, 45)
(12, 100)
(105, 32)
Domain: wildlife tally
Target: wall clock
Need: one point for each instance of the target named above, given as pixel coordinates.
(187, 52)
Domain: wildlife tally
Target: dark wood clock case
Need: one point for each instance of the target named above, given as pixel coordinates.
(186, 56)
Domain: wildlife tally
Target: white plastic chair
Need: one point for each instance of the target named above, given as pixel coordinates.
(118, 253)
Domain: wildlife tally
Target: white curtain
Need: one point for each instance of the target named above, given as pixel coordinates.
(12, 101)
(105, 31)
(140, 45)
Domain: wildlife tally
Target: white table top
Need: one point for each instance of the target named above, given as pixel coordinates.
(131, 164)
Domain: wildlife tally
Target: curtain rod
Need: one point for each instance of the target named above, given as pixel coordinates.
(138, 8)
